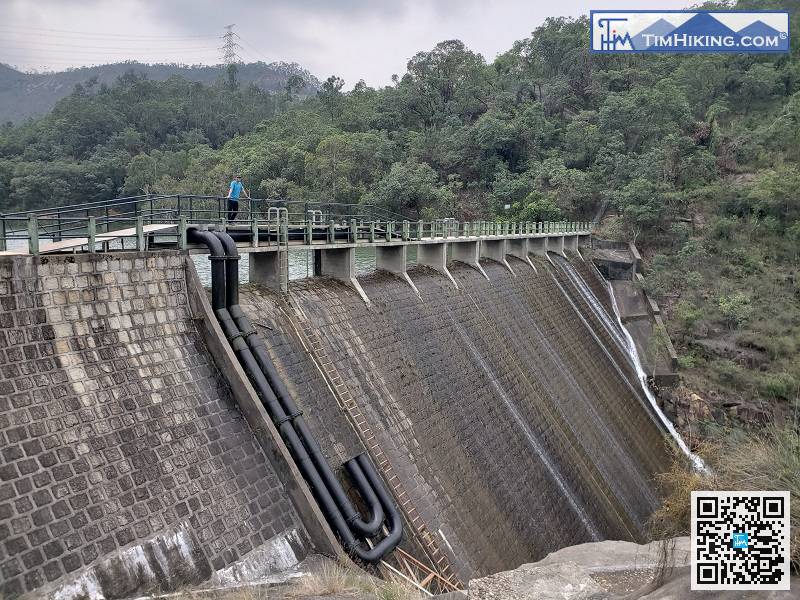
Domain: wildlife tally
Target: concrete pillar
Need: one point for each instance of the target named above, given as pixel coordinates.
(393, 260)
(435, 257)
(340, 263)
(555, 243)
(265, 269)
(496, 250)
(469, 254)
(571, 242)
(518, 248)
(537, 246)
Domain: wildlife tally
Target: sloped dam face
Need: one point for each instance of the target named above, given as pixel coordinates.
(505, 414)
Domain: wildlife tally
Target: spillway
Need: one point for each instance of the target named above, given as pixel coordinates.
(508, 410)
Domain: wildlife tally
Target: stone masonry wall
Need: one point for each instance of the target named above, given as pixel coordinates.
(120, 440)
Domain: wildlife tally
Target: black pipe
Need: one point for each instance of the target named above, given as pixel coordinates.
(256, 344)
(284, 424)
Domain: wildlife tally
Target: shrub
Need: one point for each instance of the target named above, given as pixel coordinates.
(766, 459)
(724, 228)
(736, 308)
(687, 314)
(780, 385)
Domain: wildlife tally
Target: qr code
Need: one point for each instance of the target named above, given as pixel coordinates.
(740, 540)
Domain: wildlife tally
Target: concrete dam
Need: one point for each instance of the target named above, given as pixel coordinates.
(491, 397)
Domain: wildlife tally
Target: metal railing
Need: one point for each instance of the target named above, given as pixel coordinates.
(267, 221)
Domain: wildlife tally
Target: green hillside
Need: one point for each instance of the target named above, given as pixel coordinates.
(697, 156)
(24, 95)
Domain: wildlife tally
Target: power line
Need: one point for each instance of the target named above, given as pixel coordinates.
(95, 52)
(76, 43)
(110, 36)
(56, 47)
(253, 49)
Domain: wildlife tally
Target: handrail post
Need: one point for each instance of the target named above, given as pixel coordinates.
(466, 229)
(353, 231)
(372, 232)
(3, 246)
(308, 238)
(331, 231)
(420, 229)
(91, 228)
(389, 230)
(182, 232)
(254, 231)
(140, 234)
(406, 231)
(33, 235)
(57, 236)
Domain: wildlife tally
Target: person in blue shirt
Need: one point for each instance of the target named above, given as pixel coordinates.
(235, 190)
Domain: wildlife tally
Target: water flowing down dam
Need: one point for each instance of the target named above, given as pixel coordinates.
(446, 419)
(507, 407)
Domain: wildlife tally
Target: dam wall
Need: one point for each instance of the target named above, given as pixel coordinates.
(501, 405)
(494, 394)
(127, 465)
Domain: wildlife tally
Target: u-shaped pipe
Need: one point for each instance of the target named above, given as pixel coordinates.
(369, 527)
(360, 468)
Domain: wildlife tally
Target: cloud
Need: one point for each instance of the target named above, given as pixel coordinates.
(355, 39)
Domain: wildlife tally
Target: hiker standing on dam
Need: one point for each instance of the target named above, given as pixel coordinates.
(234, 191)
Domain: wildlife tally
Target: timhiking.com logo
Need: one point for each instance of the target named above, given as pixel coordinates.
(615, 31)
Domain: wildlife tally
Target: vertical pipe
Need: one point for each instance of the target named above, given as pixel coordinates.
(3, 245)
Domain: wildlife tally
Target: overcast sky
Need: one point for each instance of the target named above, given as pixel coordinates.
(355, 39)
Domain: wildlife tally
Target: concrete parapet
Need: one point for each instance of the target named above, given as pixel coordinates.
(435, 257)
(265, 269)
(393, 259)
(555, 243)
(496, 250)
(518, 247)
(469, 254)
(340, 263)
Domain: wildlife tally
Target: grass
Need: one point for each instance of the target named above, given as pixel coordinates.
(765, 459)
(332, 578)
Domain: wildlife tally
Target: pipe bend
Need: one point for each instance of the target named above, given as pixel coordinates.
(373, 526)
(395, 521)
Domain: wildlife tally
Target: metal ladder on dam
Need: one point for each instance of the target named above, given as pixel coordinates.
(439, 578)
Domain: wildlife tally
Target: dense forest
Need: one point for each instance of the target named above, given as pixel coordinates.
(695, 155)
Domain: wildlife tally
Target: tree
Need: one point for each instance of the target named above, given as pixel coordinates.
(331, 96)
(642, 205)
(413, 189)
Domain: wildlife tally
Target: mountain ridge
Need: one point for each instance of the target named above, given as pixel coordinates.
(24, 95)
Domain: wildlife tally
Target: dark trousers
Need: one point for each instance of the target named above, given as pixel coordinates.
(233, 209)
